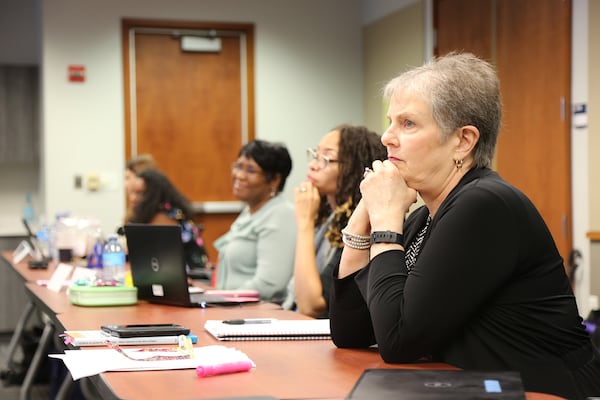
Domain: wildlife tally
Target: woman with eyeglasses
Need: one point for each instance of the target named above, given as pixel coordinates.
(322, 205)
(258, 251)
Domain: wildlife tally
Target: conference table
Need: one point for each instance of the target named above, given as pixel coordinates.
(292, 369)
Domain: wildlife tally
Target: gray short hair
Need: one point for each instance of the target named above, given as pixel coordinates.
(462, 89)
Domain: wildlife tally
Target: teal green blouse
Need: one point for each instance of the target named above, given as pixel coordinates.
(258, 250)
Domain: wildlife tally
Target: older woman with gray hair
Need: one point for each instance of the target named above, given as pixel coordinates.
(473, 277)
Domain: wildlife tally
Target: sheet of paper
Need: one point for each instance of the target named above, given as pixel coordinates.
(59, 277)
(22, 251)
(83, 363)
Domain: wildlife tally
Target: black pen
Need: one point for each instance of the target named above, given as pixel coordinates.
(247, 321)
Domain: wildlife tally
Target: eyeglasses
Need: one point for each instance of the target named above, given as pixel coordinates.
(322, 161)
(249, 169)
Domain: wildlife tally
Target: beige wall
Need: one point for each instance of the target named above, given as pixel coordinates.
(594, 140)
(387, 53)
(594, 114)
(391, 45)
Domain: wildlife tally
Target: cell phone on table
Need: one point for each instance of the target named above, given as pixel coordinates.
(142, 330)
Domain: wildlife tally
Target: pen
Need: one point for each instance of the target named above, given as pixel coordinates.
(247, 321)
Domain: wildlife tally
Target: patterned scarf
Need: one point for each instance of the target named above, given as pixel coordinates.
(415, 247)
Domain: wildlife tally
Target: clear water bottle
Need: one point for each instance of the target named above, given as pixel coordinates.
(28, 210)
(44, 241)
(113, 260)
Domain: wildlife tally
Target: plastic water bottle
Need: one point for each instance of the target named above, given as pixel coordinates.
(28, 210)
(44, 241)
(113, 260)
(95, 252)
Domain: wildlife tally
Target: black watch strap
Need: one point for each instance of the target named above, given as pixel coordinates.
(387, 237)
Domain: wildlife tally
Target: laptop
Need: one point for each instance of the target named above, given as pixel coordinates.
(158, 270)
(380, 384)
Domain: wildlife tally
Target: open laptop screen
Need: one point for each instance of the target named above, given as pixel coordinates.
(157, 262)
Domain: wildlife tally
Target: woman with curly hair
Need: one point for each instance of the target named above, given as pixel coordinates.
(322, 205)
(157, 201)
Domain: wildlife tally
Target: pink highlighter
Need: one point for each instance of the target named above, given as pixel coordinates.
(227, 368)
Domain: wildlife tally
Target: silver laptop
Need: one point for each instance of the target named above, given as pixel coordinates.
(158, 268)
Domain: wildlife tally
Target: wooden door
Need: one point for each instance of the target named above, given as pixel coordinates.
(191, 110)
(529, 42)
(464, 25)
(533, 51)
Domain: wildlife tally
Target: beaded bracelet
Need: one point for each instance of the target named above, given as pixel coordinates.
(354, 241)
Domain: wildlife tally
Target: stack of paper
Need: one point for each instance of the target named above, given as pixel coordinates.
(83, 363)
(98, 338)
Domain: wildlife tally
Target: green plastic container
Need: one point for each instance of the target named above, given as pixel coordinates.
(99, 296)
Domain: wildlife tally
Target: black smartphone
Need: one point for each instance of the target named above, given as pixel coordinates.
(125, 331)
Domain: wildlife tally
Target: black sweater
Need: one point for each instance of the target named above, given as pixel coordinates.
(488, 292)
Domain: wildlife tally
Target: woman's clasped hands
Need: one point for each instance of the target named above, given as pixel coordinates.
(386, 196)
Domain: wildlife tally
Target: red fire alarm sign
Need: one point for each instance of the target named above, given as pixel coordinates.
(76, 73)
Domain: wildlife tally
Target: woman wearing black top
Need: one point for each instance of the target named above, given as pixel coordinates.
(473, 278)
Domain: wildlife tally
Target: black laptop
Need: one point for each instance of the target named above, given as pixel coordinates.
(158, 268)
(384, 384)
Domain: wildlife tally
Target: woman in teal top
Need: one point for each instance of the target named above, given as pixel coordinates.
(258, 250)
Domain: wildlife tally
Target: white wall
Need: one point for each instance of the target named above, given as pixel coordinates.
(308, 78)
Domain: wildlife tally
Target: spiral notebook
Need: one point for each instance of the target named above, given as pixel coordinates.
(310, 329)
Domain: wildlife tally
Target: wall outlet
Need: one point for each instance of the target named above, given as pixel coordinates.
(93, 182)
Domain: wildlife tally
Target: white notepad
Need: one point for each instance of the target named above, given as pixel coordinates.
(310, 329)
